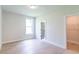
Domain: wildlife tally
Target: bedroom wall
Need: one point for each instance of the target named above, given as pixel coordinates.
(13, 27)
(55, 29)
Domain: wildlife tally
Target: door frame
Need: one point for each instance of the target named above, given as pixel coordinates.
(65, 26)
(65, 30)
(45, 21)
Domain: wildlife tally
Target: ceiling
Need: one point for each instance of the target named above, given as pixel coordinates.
(41, 10)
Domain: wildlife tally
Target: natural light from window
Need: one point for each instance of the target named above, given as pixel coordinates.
(29, 26)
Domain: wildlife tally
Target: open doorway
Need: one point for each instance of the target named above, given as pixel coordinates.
(73, 32)
(42, 30)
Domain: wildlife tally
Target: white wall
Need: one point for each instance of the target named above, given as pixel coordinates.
(13, 26)
(56, 29)
(0, 26)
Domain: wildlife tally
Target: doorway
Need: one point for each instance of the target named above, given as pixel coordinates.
(73, 32)
(42, 30)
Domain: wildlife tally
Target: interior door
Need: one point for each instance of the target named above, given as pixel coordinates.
(73, 32)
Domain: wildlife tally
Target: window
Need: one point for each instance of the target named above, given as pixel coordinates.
(29, 26)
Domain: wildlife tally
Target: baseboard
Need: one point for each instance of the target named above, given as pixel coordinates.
(12, 41)
(73, 46)
(75, 42)
(54, 44)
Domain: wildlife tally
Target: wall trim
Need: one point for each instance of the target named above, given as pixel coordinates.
(14, 41)
(54, 44)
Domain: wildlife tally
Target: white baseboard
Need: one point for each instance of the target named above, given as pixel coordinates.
(12, 41)
(54, 43)
(15, 40)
